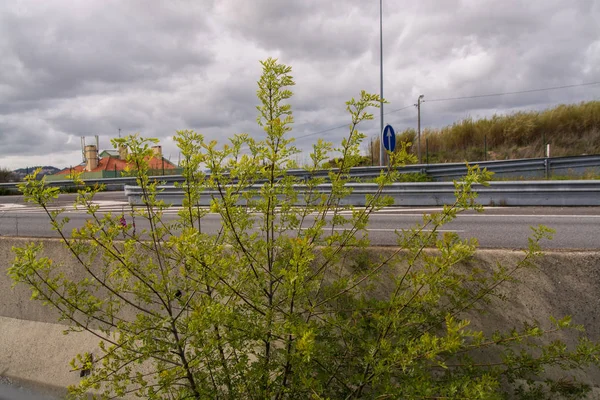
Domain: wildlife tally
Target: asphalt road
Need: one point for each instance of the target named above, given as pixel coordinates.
(11, 390)
(497, 227)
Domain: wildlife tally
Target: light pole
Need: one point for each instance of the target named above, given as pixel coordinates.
(419, 127)
(381, 81)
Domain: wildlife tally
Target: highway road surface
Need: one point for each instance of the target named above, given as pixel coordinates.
(497, 227)
(10, 390)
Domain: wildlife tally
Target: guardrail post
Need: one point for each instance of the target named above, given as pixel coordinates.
(547, 168)
(484, 147)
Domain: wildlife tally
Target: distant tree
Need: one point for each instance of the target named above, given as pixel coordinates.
(270, 307)
(6, 175)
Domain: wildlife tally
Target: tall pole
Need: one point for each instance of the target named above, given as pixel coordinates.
(381, 81)
(419, 127)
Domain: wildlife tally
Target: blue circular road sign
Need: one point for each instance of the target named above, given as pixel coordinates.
(388, 137)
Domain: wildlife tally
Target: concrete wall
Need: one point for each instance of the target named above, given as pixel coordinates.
(32, 346)
(84, 175)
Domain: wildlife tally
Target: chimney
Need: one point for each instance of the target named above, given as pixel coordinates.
(91, 157)
(157, 151)
(122, 152)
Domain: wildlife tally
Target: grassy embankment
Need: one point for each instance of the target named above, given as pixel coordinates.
(570, 130)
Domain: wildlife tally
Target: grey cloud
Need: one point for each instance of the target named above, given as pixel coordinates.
(32, 138)
(73, 68)
(59, 50)
(310, 29)
(233, 99)
(499, 47)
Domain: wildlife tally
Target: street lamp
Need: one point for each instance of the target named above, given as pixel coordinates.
(419, 126)
(381, 81)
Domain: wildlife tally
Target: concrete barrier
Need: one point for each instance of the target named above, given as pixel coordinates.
(33, 348)
(518, 193)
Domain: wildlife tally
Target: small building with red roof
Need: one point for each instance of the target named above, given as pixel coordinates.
(113, 164)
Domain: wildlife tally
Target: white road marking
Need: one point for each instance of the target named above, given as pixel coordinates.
(528, 215)
(110, 203)
(484, 215)
(389, 230)
(11, 206)
(424, 230)
(406, 209)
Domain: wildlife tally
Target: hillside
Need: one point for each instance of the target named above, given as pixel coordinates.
(46, 170)
(572, 129)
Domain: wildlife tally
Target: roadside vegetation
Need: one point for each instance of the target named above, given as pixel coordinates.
(284, 302)
(6, 175)
(570, 129)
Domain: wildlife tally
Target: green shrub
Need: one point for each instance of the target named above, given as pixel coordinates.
(281, 302)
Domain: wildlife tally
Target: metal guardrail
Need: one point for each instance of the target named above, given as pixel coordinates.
(110, 183)
(520, 193)
(524, 168)
(531, 168)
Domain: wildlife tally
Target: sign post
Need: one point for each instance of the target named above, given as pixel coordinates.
(388, 138)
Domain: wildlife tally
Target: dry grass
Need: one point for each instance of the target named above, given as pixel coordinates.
(572, 129)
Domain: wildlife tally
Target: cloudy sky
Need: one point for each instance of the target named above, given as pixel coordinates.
(72, 68)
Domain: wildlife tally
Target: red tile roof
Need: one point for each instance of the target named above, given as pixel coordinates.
(115, 164)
